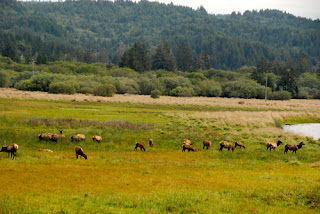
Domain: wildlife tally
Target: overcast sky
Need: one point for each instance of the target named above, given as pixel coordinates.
(303, 8)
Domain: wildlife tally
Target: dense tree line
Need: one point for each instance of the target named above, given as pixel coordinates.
(102, 31)
(284, 81)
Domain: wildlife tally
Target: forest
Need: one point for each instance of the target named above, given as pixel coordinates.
(140, 47)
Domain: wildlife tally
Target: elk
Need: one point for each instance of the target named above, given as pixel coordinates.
(79, 151)
(227, 145)
(45, 136)
(78, 137)
(56, 137)
(240, 144)
(151, 143)
(292, 147)
(207, 144)
(188, 147)
(12, 148)
(273, 145)
(97, 138)
(44, 150)
(140, 145)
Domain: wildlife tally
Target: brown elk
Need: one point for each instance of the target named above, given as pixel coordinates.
(79, 151)
(273, 145)
(293, 148)
(78, 137)
(11, 149)
(240, 144)
(44, 150)
(151, 143)
(207, 144)
(227, 145)
(188, 147)
(141, 146)
(97, 138)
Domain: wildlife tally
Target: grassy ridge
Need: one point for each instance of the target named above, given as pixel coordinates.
(116, 179)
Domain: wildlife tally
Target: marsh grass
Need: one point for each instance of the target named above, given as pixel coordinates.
(117, 179)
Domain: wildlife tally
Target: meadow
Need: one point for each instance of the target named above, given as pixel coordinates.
(117, 179)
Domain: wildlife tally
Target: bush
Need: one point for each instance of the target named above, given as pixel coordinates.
(86, 90)
(317, 95)
(182, 92)
(61, 88)
(3, 79)
(155, 94)
(106, 90)
(243, 89)
(280, 95)
(25, 85)
(210, 88)
(302, 95)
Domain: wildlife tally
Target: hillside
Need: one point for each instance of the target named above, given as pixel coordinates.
(72, 29)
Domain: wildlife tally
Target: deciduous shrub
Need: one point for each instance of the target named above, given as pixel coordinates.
(210, 88)
(4, 80)
(61, 88)
(86, 90)
(106, 90)
(155, 94)
(182, 92)
(280, 95)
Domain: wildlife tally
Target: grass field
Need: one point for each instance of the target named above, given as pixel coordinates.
(117, 179)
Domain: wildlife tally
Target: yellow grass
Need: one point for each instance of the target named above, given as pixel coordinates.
(311, 105)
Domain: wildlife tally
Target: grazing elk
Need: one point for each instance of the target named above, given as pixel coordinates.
(151, 143)
(188, 147)
(207, 144)
(140, 145)
(240, 144)
(293, 148)
(79, 151)
(273, 145)
(56, 137)
(78, 137)
(45, 136)
(44, 150)
(11, 149)
(187, 142)
(227, 145)
(97, 138)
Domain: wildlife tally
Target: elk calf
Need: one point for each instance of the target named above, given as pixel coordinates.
(79, 151)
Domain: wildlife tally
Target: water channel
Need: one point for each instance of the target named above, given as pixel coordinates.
(305, 129)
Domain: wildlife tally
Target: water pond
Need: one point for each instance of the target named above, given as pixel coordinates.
(305, 129)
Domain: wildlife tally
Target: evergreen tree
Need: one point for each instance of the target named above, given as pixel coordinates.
(136, 58)
(9, 50)
(163, 58)
(185, 61)
(203, 61)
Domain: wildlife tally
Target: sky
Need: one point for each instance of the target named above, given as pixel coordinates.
(304, 8)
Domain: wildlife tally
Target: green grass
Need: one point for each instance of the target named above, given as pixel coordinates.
(117, 179)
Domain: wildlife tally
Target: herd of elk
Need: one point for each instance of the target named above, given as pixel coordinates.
(187, 144)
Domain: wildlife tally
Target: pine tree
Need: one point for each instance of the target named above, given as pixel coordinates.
(203, 61)
(185, 61)
(163, 58)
